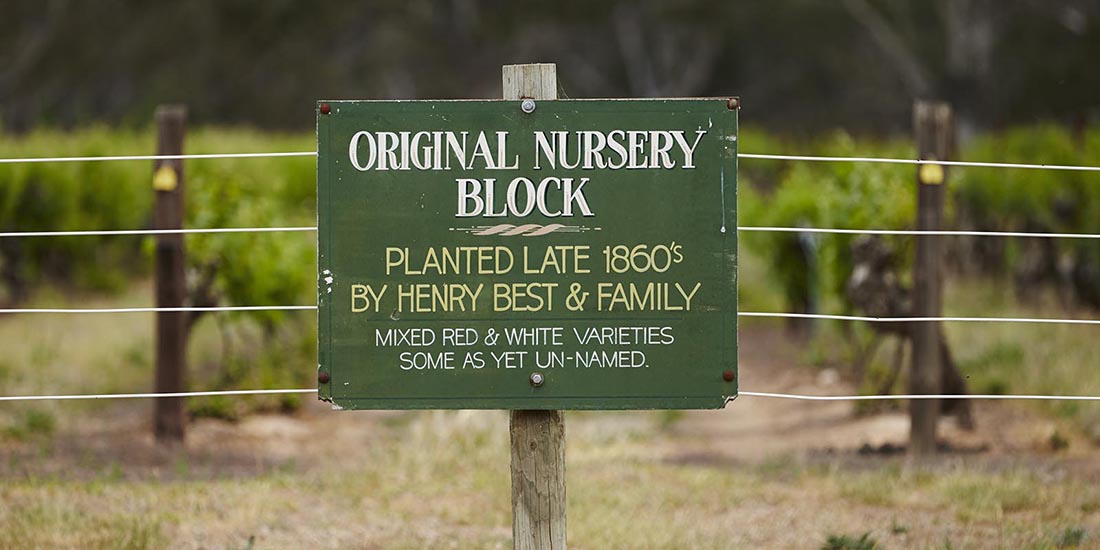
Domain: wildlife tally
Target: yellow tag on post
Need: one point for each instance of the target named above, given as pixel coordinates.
(164, 179)
(930, 174)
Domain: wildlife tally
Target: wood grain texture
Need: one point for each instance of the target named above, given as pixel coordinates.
(169, 283)
(537, 437)
(535, 81)
(538, 480)
(934, 129)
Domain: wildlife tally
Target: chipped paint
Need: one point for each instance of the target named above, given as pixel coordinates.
(328, 278)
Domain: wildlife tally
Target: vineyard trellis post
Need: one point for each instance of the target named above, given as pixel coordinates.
(933, 128)
(169, 423)
(537, 437)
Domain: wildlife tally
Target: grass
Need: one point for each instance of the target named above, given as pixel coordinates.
(846, 542)
(1025, 358)
(61, 354)
(34, 423)
(1070, 537)
(440, 479)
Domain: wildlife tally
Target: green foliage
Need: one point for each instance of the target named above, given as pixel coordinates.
(242, 269)
(278, 268)
(257, 353)
(1015, 200)
(1035, 200)
(254, 268)
(881, 196)
(838, 194)
(847, 542)
(71, 196)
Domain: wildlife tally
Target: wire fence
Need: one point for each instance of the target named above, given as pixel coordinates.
(768, 314)
(740, 393)
(94, 396)
(963, 163)
(160, 309)
(106, 232)
(160, 157)
(742, 228)
(915, 232)
(784, 315)
(804, 158)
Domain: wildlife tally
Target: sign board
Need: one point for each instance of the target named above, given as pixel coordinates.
(567, 254)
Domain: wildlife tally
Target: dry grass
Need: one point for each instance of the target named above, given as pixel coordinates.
(440, 480)
(1028, 358)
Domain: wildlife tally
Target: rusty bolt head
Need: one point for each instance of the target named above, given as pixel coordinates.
(325, 109)
(537, 379)
(727, 376)
(733, 103)
(323, 377)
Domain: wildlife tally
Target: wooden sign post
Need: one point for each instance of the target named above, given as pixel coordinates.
(528, 254)
(933, 127)
(538, 437)
(168, 414)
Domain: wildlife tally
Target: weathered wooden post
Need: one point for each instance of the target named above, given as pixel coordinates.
(538, 437)
(933, 128)
(171, 341)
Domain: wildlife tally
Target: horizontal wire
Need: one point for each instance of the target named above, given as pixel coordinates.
(744, 228)
(881, 160)
(157, 309)
(917, 319)
(160, 157)
(918, 396)
(739, 314)
(801, 397)
(917, 232)
(739, 155)
(153, 231)
(143, 395)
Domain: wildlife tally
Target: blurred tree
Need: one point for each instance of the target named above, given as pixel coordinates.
(799, 65)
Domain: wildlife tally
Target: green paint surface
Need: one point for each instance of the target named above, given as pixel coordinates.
(383, 227)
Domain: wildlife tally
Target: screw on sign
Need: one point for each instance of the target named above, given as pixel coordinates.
(537, 379)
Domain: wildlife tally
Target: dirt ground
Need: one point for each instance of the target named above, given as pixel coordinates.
(762, 473)
(754, 428)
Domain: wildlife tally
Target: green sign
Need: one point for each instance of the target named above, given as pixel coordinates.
(571, 254)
